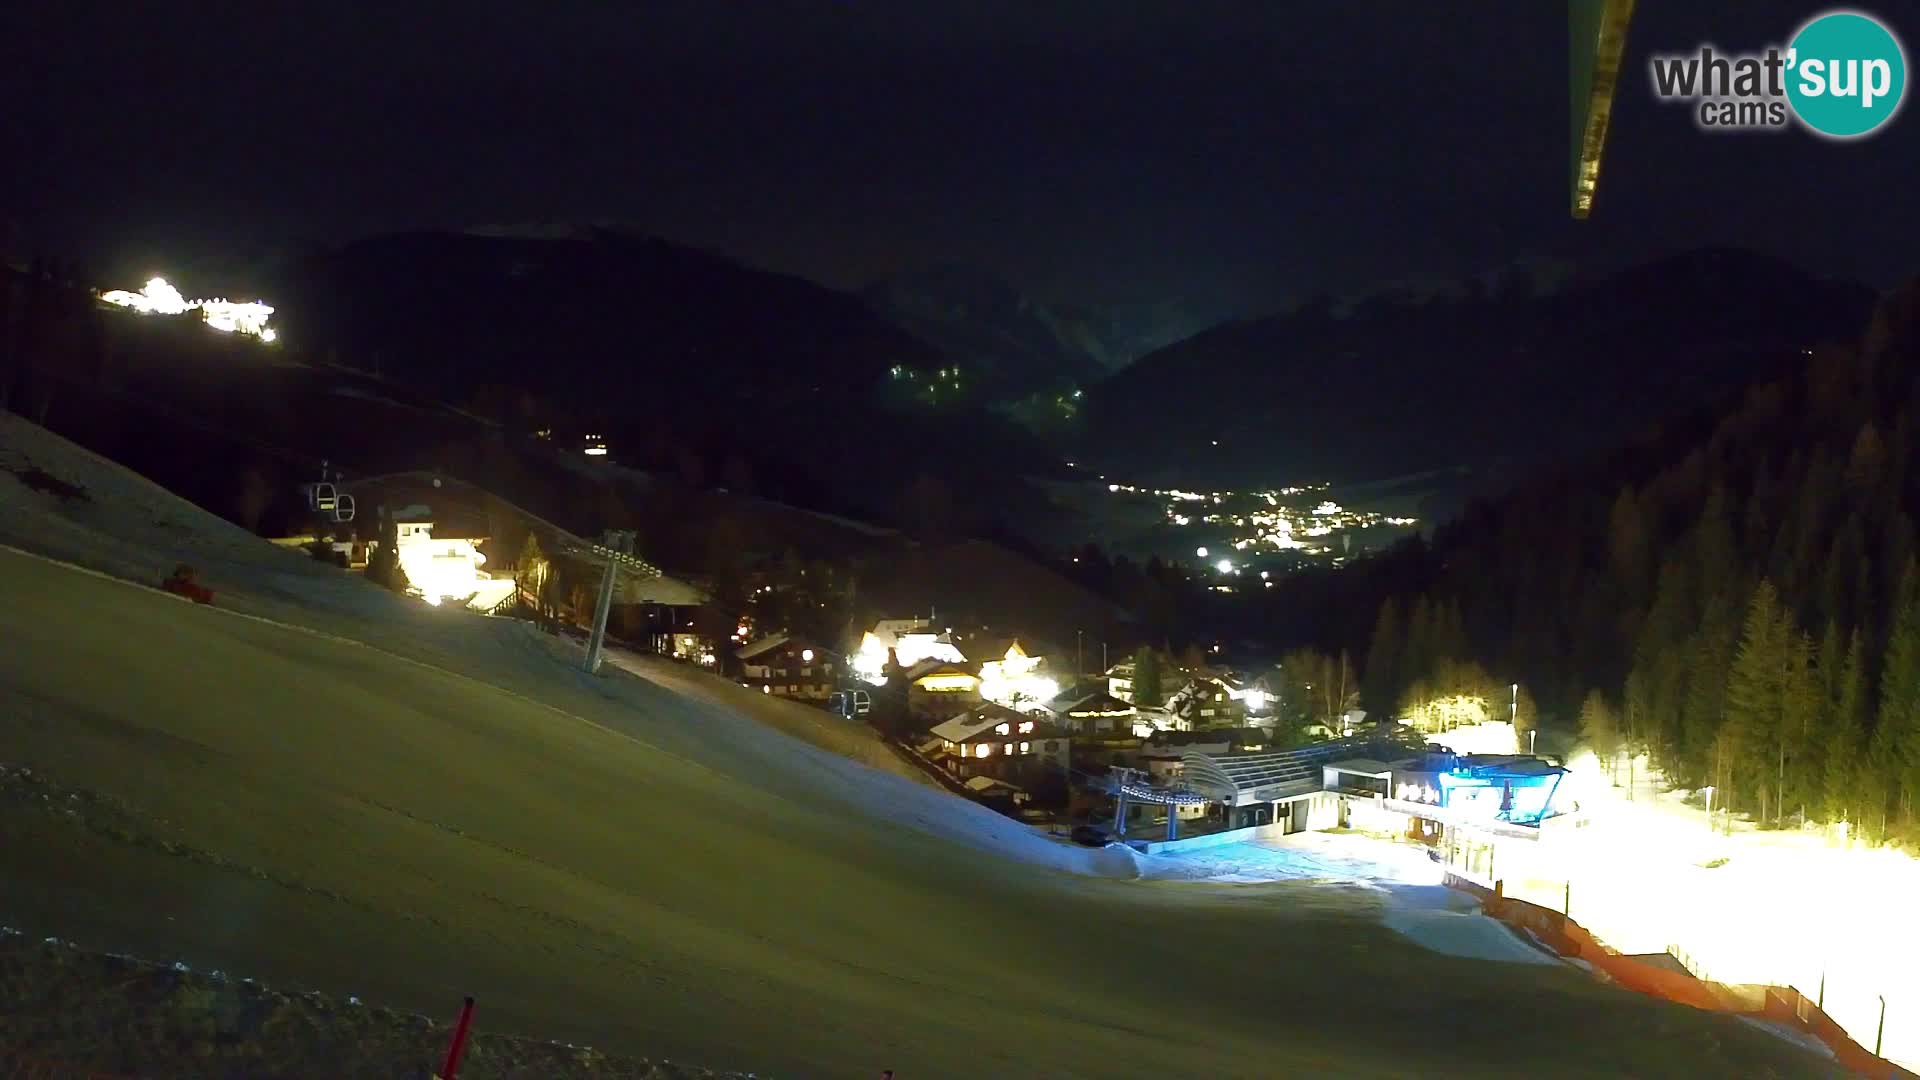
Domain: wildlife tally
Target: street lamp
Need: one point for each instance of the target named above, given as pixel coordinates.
(1513, 717)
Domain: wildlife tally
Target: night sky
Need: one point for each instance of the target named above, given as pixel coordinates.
(1102, 152)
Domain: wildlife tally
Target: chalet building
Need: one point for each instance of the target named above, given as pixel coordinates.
(787, 666)
(998, 742)
(1098, 713)
(939, 690)
(909, 641)
(1120, 681)
(1205, 701)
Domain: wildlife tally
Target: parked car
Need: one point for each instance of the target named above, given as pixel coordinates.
(1091, 836)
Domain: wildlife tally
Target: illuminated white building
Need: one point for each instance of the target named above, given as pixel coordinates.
(911, 640)
(444, 568)
(160, 298)
(1016, 680)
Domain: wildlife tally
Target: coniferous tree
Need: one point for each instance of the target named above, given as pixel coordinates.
(1708, 658)
(1799, 745)
(1381, 680)
(1847, 737)
(1897, 729)
(1148, 689)
(1600, 728)
(1756, 693)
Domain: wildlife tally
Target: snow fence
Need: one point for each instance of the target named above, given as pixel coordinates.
(1781, 1005)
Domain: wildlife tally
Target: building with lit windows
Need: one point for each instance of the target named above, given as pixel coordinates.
(938, 689)
(788, 666)
(1206, 701)
(1098, 713)
(1479, 813)
(1017, 679)
(911, 641)
(1002, 743)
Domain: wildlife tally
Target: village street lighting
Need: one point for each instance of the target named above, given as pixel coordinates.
(1513, 717)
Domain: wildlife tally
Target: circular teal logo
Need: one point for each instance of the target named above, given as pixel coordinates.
(1846, 74)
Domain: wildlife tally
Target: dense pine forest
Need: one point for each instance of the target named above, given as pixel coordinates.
(1735, 595)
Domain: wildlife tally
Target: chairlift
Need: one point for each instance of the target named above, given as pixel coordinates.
(322, 497)
(342, 509)
(849, 703)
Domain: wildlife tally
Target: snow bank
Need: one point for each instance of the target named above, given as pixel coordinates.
(1467, 934)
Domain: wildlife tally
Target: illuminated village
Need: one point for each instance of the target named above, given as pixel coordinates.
(157, 297)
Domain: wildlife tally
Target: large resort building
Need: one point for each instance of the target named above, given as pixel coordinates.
(1475, 812)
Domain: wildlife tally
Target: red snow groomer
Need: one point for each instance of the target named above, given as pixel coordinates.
(181, 583)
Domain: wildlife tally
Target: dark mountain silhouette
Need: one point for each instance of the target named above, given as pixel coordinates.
(603, 318)
(1014, 344)
(1497, 377)
(668, 350)
(1019, 345)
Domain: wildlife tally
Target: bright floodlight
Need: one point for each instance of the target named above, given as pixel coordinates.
(1201, 552)
(1225, 566)
(160, 298)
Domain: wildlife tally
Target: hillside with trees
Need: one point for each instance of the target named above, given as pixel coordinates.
(1736, 594)
(758, 382)
(238, 426)
(1498, 376)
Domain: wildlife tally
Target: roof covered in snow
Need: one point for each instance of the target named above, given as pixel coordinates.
(1097, 703)
(971, 725)
(1364, 766)
(1245, 779)
(755, 648)
(984, 784)
(933, 666)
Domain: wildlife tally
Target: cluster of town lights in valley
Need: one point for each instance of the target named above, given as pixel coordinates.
(1274, 520)
(161, 298)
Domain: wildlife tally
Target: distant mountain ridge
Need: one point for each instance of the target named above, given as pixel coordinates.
(670, 350)
(1398, 383)
(1017, 344)
(1011, 342)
